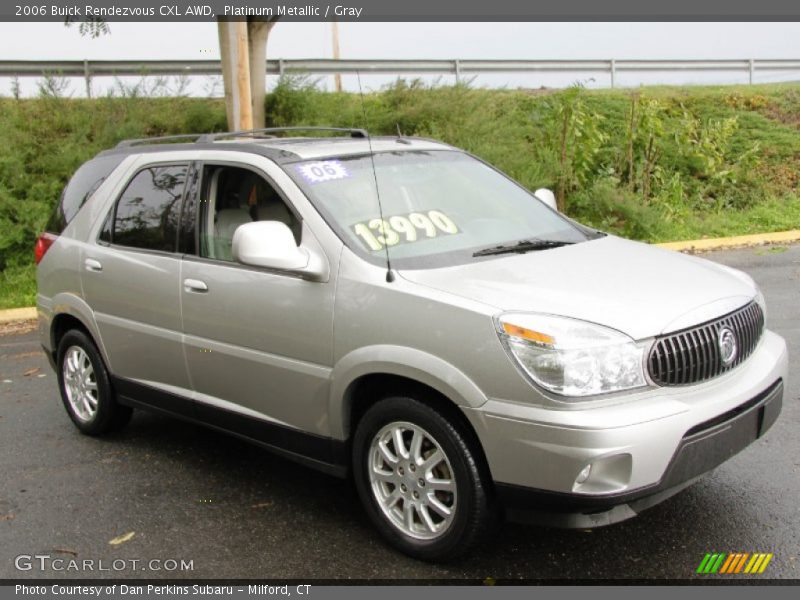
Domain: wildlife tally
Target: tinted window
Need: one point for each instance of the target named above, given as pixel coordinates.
(83, 184)
(149, 209)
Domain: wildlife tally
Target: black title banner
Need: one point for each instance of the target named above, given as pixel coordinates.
(402, 10)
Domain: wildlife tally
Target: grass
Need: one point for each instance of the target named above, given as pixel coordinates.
(18, 287)
(700, 161)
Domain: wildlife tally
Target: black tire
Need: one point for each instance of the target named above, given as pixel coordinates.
(475, 514)
(109, 414)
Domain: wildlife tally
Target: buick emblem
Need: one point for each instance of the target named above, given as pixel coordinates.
(728, 348)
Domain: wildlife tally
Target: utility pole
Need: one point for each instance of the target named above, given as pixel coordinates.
(235, 60)
(337, 79)
(243, 76)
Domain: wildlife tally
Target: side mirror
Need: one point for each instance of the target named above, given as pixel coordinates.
(271, 244)
(547, 196)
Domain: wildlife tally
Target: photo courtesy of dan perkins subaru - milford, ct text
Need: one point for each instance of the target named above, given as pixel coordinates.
(158, 590)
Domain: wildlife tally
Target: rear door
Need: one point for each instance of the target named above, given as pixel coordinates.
(130, 278)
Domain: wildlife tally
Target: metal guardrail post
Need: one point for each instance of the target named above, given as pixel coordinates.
(613, 73)
(752, 70)
(87, 75)
(457, 68)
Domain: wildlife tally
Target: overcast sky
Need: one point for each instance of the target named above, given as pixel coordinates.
(433, 40)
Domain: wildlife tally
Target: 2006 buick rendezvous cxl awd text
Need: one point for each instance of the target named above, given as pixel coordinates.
(398, 310)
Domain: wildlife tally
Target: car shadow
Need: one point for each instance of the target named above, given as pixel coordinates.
(232, 482)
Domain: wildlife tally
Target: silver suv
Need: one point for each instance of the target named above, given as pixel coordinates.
(398, 311)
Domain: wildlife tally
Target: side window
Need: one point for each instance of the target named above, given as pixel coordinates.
(148, 211)
(233, 196)
(83, 184)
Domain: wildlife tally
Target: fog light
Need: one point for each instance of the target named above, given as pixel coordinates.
(604, 474)
(584, 474)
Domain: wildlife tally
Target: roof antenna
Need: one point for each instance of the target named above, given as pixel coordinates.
(400, 139)
(389, 273)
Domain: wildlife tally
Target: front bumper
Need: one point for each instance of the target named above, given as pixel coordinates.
(641, 451)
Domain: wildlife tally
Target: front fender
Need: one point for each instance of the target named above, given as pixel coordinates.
(401, 361)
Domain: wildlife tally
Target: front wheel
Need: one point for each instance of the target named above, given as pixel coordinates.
(420, 479)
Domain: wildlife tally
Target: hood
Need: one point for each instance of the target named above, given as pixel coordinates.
(635, 288)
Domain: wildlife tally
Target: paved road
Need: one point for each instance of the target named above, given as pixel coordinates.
(239, 512)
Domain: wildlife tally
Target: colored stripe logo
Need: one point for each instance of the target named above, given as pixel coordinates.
(734, 563)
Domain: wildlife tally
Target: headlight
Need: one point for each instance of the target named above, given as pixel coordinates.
(571, 357)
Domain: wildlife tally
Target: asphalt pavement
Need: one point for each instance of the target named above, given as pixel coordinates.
(236, 511)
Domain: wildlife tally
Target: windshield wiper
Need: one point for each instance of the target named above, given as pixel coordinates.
(522, 246)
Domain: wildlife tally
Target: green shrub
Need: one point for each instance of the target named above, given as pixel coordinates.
(654, 164)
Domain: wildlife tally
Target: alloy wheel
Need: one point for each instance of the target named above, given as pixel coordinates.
(412, 480)
(80, 383)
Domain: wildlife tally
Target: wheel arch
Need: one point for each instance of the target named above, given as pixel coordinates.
(365, 390)
(71, 312)
(365, 372)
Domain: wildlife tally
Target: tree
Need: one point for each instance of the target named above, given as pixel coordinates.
(243, 53)
(94, 27)
(577, 138)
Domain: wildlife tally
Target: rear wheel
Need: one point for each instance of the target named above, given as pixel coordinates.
(420, 480)
(85, 386)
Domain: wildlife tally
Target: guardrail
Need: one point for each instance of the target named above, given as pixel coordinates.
(328, 66)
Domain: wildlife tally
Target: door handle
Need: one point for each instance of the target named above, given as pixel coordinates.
(93, 265)
(194, 285)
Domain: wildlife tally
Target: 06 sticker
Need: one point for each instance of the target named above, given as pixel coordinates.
(402, 229)
(322, 170)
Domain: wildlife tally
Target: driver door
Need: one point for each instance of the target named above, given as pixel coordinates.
(258, 342)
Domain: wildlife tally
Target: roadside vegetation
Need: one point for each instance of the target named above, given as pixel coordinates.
(654, 164)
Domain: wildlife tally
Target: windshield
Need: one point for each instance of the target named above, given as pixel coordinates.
(439, 207)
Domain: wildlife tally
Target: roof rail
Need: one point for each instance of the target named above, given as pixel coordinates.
(164, 138)
(211, 137)
(201, 138)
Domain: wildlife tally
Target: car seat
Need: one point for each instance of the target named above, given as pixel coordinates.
(228, 219)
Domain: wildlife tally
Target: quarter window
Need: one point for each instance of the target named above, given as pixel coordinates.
(82, 185)
(148, 211)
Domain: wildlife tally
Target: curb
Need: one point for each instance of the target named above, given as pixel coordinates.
(17, 314)
(758, 239)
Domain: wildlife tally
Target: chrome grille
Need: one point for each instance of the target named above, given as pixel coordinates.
(692, 355)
